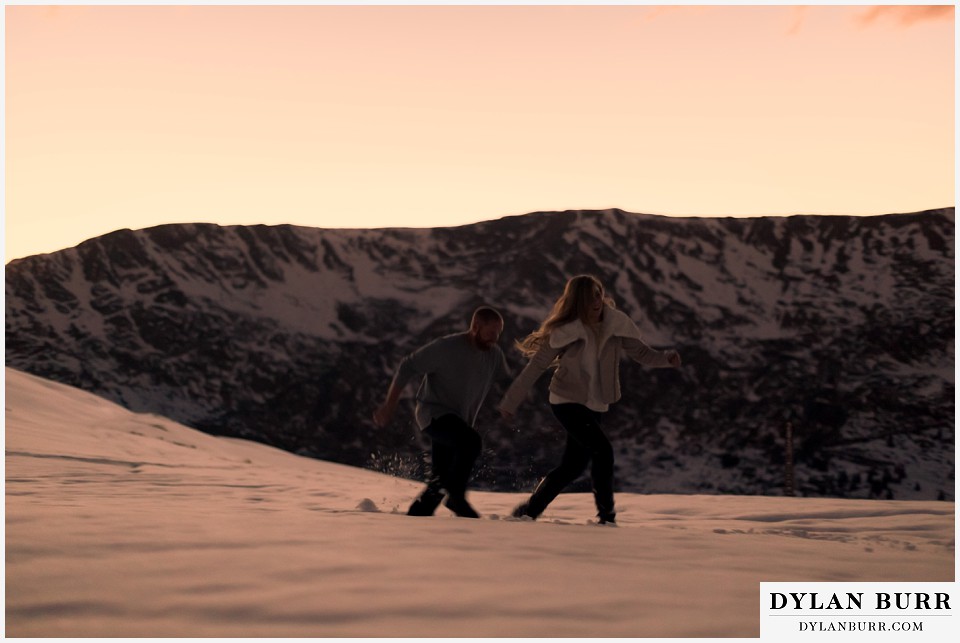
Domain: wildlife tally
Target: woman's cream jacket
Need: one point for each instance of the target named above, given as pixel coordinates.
(618, 336)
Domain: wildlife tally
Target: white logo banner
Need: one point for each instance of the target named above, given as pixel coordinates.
(857, 611)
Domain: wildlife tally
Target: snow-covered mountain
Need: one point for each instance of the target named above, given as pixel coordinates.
(842, 326)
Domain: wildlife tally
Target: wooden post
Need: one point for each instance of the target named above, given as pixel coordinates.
(789, 486)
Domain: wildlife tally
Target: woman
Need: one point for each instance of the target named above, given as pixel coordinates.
(585, 337)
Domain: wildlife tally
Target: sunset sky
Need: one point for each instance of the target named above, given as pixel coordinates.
(371, 116)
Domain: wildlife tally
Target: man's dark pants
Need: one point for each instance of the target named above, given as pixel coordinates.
(455, 448)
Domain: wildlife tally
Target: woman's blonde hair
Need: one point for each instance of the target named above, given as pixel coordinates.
(573, 304)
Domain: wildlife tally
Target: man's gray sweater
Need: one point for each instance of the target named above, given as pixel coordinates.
(456, 377)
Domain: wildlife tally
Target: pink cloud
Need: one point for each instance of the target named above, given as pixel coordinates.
(798, 17)
(906, 16)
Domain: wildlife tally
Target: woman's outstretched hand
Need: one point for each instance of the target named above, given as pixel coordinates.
(674, 358)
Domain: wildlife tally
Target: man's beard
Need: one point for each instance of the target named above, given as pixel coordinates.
(483, 345)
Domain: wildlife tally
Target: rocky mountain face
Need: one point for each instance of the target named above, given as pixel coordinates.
(842, 327)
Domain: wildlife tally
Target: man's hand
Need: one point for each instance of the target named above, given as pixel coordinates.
(506, 415)
(383, 415)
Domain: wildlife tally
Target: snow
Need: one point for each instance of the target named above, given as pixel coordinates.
(123, 524)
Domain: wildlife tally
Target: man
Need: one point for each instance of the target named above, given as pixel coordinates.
(456, 371)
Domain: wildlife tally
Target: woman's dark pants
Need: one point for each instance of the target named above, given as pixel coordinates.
(586, 443)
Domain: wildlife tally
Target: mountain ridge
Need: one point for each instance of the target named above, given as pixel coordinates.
(289, 335)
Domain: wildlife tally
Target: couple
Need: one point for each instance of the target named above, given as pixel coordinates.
(584, 337)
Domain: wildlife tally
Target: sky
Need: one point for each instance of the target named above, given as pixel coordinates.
(422, 116)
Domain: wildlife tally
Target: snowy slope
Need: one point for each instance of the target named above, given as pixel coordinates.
(123, 524)
(288, 335)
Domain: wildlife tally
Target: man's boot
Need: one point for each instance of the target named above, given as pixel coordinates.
(426, 503)
(461, 507)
